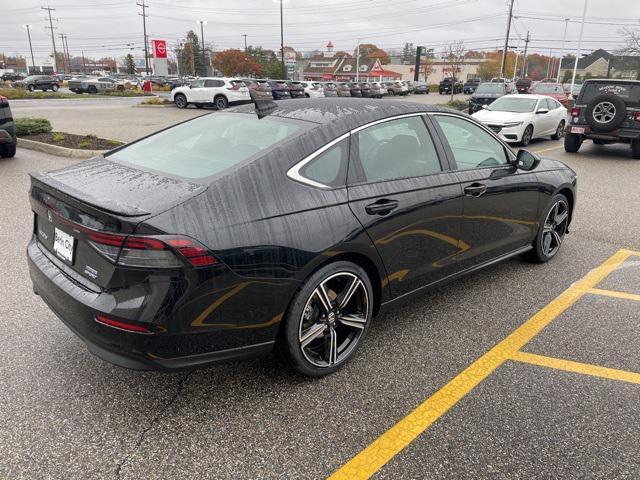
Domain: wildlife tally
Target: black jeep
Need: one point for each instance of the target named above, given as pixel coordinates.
(448, 83)
(8, 139)
(606, 111)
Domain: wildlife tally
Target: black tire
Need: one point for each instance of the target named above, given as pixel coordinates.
(54, 88)
(180, 100)
(31, 88)
(221, 102)
(635, 149)
(391, 93)
(547, 244)
(572, 142)
(527, 136)
(559, 131)
(605, 112)
(8, 150)
(306, 308)
(92, 89)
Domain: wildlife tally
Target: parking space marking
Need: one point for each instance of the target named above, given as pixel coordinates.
(614, 293)
(373, 457)
(577, 367)
(551, 149)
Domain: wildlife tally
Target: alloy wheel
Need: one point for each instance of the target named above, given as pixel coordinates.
(560, 130)
(333, 319)
(221, 103)
(555, 228)
(604, 112)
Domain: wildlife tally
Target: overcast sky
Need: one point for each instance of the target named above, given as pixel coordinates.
(113, 27)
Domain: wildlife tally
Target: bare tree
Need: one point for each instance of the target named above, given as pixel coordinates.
(454, 60)
(631, 42)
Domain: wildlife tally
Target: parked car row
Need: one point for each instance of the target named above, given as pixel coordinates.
(222, 92)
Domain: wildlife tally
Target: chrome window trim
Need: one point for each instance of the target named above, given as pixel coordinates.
(294, 172)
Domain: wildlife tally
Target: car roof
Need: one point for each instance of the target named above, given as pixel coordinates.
(526, 95)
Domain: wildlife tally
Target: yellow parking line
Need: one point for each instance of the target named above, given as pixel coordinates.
(614, 293)
(399, 436)
(576, 367)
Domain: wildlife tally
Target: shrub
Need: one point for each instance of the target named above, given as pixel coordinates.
(457, 105)
(156, 101)
(57, 137)
(32, 126)
(85, 144)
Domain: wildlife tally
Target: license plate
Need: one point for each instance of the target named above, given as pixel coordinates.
(63, 244)
(579, 130)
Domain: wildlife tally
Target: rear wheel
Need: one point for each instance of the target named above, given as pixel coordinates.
(327, 319)
(180, 100)
(54, 88)
(31, 88)
(559, 131)
(635, 149)
(527, 136)
(552, 230)
(8, 150)
(221, 102)
(92, 89)
(572, 142)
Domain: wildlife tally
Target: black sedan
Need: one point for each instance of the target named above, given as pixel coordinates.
(236, 234)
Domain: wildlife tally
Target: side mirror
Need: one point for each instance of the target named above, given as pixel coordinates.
(525, 160)
(542, 111)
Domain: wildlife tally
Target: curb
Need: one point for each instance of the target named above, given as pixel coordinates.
(59, 151)
(170, 105)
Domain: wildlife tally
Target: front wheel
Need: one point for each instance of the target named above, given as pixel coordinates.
(552, 230)
(327, 319)
(527, 136)
(31, 88)
(54, 88)
(559, 131)
(181, 101)
(572, 142)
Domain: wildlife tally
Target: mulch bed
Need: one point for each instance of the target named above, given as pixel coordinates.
(70, 140)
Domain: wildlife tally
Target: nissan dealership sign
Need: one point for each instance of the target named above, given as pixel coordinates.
(159, 48)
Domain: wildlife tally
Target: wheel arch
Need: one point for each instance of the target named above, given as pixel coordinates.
(568, 192)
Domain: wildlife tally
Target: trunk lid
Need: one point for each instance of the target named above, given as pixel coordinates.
(97, 195)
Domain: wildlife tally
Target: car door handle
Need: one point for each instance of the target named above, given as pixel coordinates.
(475, 190)
(383, 206)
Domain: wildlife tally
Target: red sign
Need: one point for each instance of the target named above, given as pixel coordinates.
(159, 48)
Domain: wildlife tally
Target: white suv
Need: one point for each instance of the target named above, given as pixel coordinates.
(219, 92)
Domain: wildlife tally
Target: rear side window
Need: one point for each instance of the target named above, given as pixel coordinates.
(397, 149)
(215, 83)
(330, 167)
(208, 145)
(629, 92)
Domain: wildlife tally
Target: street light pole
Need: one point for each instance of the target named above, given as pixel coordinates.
(575, 65)
(564, 39)
(284, 68)
(33, 62)
(506, 40)
(245, 42)
(202, 24)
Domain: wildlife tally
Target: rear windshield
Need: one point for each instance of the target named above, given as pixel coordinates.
(490, 88)
(548, 88)
(207, 145)
(630, 92)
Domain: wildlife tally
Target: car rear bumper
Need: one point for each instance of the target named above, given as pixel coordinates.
(77, 307)
(619, 135)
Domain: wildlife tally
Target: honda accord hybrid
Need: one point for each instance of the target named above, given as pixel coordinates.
(241, 232)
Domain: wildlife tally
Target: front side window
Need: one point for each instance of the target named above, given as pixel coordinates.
(330, 167)
(197, 84)
(472, 146)
(208, 145)
(397, 149)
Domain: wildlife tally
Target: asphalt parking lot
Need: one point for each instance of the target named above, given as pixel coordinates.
(517, 371)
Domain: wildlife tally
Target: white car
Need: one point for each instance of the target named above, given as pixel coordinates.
(521, 118)
(219, 92)
(313, 89)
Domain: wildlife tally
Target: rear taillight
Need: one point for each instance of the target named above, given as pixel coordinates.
(636, 116)
(150, 252)
(120, 325)
(575, 112)
(234, 86)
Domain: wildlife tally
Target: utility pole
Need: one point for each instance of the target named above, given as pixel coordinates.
(245, 42)
(66, 46)
(575, 65)
(358, 62)
(53, 38)
(284, 68)
(65, 61)
(564, 39)
(506, 40)
(84, 66)
(33, 62)
(202, 24)
(525, 65)
(144, 29)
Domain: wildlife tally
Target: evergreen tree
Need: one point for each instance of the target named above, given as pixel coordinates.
(130, 64)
